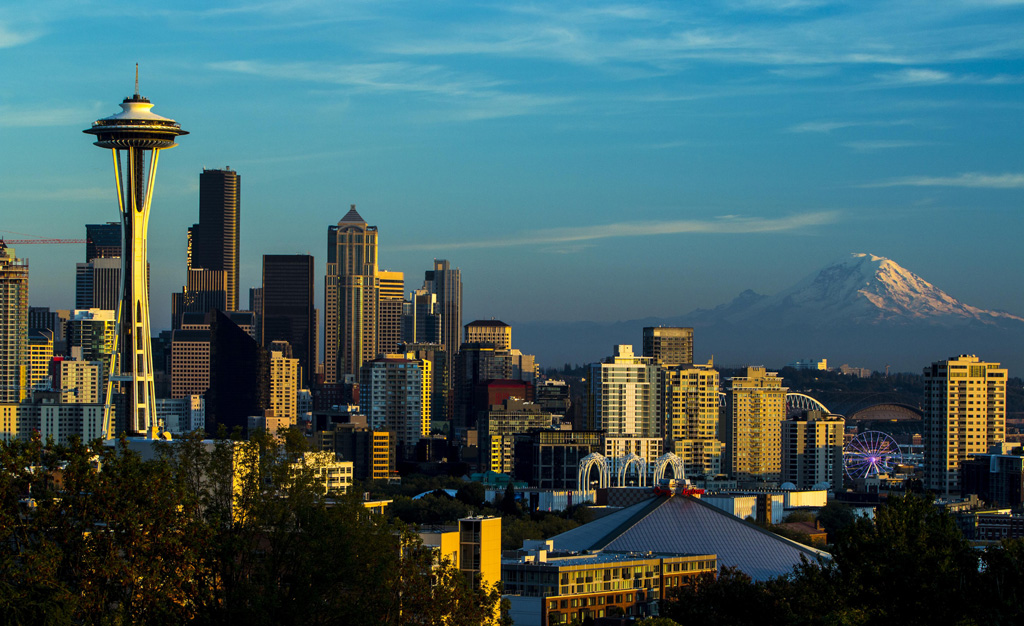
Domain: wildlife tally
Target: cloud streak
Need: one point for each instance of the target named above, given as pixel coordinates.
(971, 180)
(725, 225)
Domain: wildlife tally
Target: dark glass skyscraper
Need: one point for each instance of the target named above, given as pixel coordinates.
(213, 242)
(288, 313)
(102, 241)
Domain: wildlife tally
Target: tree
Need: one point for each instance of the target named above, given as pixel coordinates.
(472, 494)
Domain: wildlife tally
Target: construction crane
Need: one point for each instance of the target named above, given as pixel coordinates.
(18, 242)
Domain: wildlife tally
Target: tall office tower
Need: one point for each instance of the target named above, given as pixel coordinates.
(691, 418)
(239, 376)
(14, 355)
(213, 242)
(624, 395)
(92, 334)
(40, 351)
(964, 414)
(475, 367)
(351, 295)
(755, 407)
(288, 313)
(389, 311)
(190, 362)
(446, 285)
(421, 321)
(135, 136)
(669, 346)
(102, 241)
(812, 451)
(98, 284)
(394, 393)
(434, 353)
(284, 373)
(494, 332)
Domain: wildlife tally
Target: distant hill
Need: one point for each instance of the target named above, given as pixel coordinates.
(864, 310)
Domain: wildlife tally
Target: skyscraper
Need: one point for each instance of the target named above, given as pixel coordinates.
(669, 346)
(14, 353)
(389, 311)
(964, 414)
(351, 296)
(812, 450)
(446, 285)
(102, 241)
(213, 242)
(752, 425)
(624, 395)
(288, 313)
(135, 136)
(98, 283)
(691, 416)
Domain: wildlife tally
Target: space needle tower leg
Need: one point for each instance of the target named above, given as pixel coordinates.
(135, 136)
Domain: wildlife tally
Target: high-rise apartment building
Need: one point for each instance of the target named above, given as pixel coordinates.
(494, 332)
(40, 351)
(499, 426)
(288, 313)
(78, 382)
(812, 450)
(964, 413)
(284, 374)
(389, 311)
(669, 346)
(214, 241)
(394, 393)
(351, 297)
(14, 355)
(624, 395)
(692, 408)
(752, 425)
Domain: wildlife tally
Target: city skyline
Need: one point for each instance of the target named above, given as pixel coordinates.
(681, 154)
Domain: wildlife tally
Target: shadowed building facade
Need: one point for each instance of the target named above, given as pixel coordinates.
(288, 313)
(214, 241)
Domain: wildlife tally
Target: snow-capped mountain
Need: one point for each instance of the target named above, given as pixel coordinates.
(859, 289)
(863, 309)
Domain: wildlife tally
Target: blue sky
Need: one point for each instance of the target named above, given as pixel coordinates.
(596, 161)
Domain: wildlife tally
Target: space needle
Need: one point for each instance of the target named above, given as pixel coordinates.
(135, 136)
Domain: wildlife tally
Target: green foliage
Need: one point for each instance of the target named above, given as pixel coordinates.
(657, 621)
(515, 530)
(836, 517)
(800, 516)
(472, 494)
(910, 566)
(207, 533)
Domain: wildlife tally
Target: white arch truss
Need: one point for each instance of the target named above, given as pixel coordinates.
(587, 463)
(663, 462)
(625, 462)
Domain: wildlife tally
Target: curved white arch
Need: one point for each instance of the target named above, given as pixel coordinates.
(625, 462)
(804, 402)
(666, 460)
(586, 465)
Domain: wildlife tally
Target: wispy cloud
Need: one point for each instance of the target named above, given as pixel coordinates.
(915, 77)
(28, 117)
(729, 224)
(972, 180)
(10, 38)
(827, 126)
(44, 194)
(882, 144)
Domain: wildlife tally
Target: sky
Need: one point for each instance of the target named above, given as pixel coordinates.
(578, 161)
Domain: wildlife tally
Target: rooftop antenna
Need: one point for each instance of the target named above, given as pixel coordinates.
(136, 79)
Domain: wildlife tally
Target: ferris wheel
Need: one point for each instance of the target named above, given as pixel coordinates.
(871, 453)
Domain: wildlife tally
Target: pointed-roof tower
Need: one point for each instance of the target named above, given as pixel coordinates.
(352, 216)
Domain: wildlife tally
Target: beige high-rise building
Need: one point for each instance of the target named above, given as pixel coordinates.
(284, 378)
(692, 408)
(752, 425)
(40, 351)
(964, 414)
(389, 311)
(494, 332)
(14, 354)
(669, 346)
(190, 362)
(78, 382)
(812, 450)
(624, 395)
(351, 297)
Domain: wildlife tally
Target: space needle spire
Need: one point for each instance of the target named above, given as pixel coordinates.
(135, 136)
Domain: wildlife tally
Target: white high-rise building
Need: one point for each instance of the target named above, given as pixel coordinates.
(624, 395)
(964, 414)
